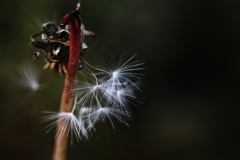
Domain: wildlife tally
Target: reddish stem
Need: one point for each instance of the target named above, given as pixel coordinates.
(60, 148)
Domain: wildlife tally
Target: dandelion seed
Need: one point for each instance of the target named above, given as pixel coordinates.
(84, 118)
(122, 71)
(69, 123)
(120, 80)
(28, 77)
(88, 92)
(66, 122)
(123, 95)
(101, 113)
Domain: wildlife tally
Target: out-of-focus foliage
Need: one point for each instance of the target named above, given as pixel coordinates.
(191, 50)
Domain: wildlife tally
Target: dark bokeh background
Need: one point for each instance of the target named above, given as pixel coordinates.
(191, 51)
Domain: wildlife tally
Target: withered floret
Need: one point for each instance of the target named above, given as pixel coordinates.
(54, 45)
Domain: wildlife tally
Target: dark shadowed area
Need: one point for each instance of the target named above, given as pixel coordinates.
(191, 91)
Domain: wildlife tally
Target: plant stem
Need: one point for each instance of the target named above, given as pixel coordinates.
(61, 141)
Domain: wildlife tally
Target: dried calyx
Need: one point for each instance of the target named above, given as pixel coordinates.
(54, 45)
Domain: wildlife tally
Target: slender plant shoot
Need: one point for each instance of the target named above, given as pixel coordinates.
(70, 79)
(98, 93)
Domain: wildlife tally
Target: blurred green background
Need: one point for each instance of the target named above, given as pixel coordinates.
(191, 51)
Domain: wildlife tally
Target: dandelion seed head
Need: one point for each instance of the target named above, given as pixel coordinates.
(108, 93)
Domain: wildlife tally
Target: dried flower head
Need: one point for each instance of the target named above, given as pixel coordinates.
(54, 45)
